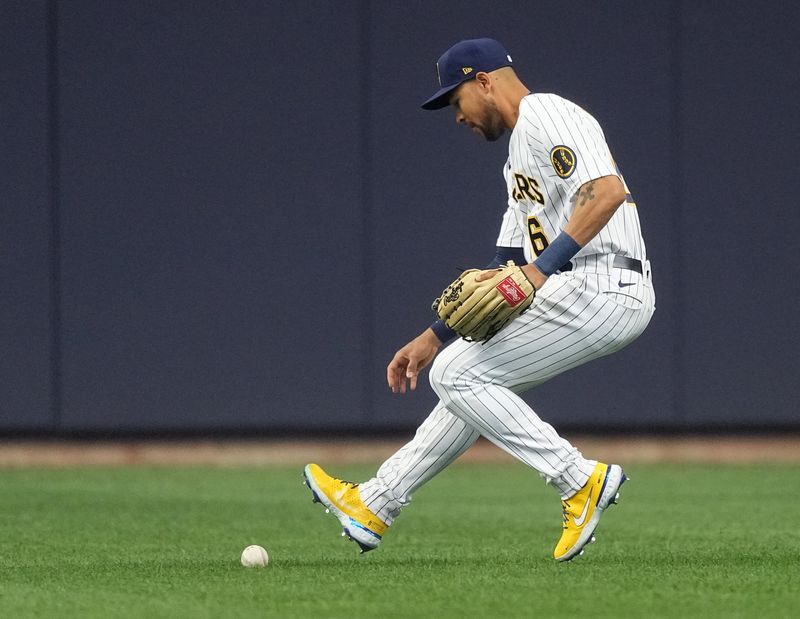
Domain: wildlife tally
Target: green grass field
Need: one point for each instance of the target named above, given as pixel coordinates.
(685, 541)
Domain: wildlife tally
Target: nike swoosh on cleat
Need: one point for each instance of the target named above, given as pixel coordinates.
(582, 518)
(622, 285)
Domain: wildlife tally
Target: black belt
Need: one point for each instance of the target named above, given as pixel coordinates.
(620, 262)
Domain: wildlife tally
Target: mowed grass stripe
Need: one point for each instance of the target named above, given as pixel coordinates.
(711, 541)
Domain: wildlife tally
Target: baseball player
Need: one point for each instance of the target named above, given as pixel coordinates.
(573, 226)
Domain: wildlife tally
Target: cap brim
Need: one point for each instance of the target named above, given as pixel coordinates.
(440, 99)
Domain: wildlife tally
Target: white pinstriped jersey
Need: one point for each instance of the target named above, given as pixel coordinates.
(589, 312)
(555, 148)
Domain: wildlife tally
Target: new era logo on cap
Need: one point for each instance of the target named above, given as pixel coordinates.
(462, 62)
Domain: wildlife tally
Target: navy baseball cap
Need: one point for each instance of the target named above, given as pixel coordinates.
(461, 63)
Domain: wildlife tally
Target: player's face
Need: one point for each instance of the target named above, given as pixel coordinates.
(476, 109)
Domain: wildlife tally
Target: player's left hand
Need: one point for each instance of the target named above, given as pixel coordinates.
(536, 277)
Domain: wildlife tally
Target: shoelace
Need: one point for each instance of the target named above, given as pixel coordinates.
(565, 507)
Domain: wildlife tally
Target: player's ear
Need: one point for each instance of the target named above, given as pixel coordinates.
(483, 81)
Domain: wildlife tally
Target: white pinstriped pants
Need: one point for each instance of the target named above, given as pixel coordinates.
(576, 317)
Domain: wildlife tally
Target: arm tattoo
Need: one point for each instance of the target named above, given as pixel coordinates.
(587, 194)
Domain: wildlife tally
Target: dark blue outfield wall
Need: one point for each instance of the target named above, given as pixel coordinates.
(228, 216)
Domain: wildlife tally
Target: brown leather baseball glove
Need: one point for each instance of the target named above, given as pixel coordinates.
(478, 310)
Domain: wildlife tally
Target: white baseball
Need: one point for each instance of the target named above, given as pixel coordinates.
(254, 556)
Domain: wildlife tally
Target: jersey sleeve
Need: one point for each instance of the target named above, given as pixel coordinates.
(510, 233)
(569, 141)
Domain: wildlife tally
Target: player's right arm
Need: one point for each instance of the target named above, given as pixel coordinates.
(411, 359)
(418, 353)
(407, 362)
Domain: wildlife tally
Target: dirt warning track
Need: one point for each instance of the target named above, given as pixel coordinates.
(64, 453)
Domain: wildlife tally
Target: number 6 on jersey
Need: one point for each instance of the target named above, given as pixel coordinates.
(539, 241)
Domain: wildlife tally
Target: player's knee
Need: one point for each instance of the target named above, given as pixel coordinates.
(442, 377)
(436, 376)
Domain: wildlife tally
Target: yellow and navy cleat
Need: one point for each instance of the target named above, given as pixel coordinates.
(341, 498)
(582, 511)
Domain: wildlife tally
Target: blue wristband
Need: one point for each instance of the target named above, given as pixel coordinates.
(504, 254)
(557, 254)
(442, 331)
